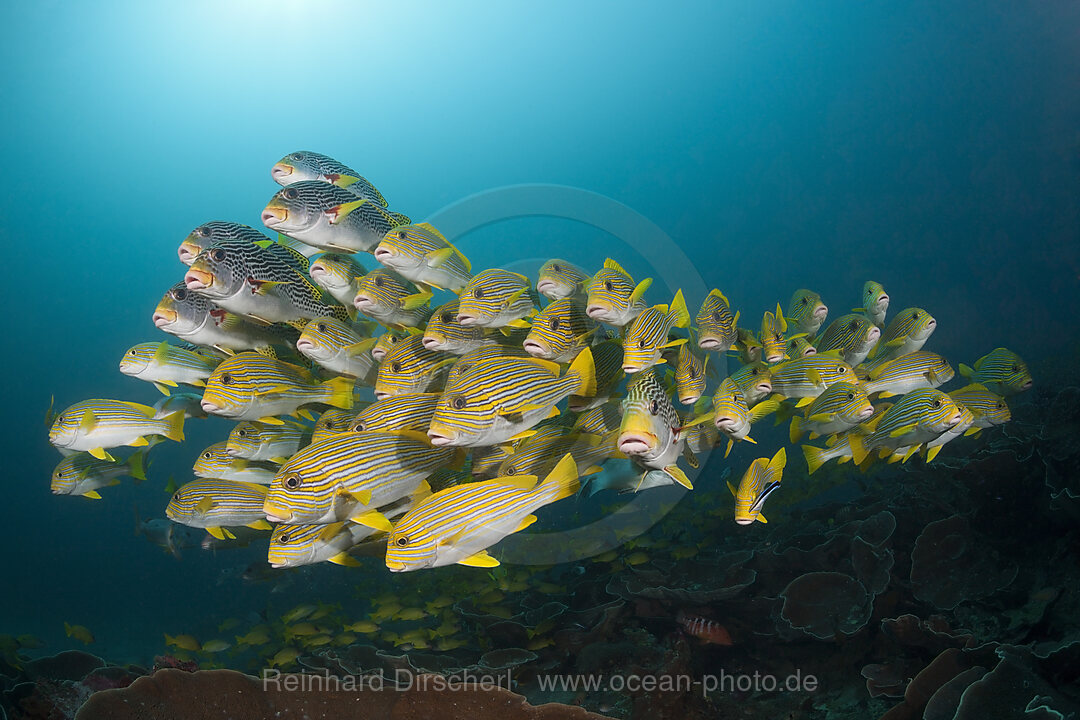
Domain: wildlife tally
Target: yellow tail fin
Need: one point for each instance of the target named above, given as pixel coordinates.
(585, 370)
(174, 426)
(815, 457)
(561, 482)
(678, 310)
(340, 391)
(795, 432)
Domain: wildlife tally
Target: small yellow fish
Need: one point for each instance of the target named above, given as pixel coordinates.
(184, 642)
(79, 633)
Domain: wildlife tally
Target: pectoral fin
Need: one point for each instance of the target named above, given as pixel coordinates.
(480, 559)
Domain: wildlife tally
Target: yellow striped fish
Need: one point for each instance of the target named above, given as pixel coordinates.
(748, 346)
(560, 331)
(391, 299)
(94, 425)
(930, 450)
(250, 386)
(648, 335)
(445, 334)
(386, 342)
(257, 441)
(328, 217)
(338, 347)
(484, 461)
(731, 415)
(411, 368)
(559, 280)
(907, 332)
(607, 363)
(754, 382)
(805, 378)
(840, 407)
(348, 476)
(799, 346)
(332, 422)
(539, 453)
(500, 398)
(651, 428)
(771, 337)
(480, 354)
(216, 462)
(420, 253)
(411, 411)
(918, 417)
(496, 299)
(339, 275)
(84, 475)
(296, 545)
(458, 524)
(988, 408)
(761, 479)
(875, 302)
(612, 297)
(1002, 371)
(920, 369)
(837, 446)
(717, 327)
(218, 505)
(167, 365)
(689, 375)
(601, 419)
(852, 336)
(806, 312)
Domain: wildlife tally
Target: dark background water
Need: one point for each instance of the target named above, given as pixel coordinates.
(933, 147)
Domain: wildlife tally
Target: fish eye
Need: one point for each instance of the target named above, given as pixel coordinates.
(693, 373)
(402, 234)
(937, 403)
(555, 324)
(458, 403)
(218, 254)
(59, 473)
(358, 427)
(511, 470)
(176, 497)
(851, 396)
(446, 317)
(284, 538)
(1000, 405)
(208, 455)
(609, 286)
(292, 482)
(778, 337)
(478, 293)
(839, 369)
(754, 371)
(556, 268)
(395, 366)
(654, 407)
(132, 352)
(716, 315)
(203, 231)
(241, 433)
(915, 315)
(806, 301)
(321, 327)
(402, 541)
(59, 418)
(379, 281)
(226, 379)
(290, 193)
(1016, 368)
(298, 156)
(853, 326)
(641, 343)
(180, 294)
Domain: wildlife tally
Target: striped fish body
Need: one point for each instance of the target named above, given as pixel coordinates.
(601, 419)
(385, 343)
(607, 361)
(559, 280)
(391, 299)
(901, 375)
(988, 408)
(613, 298)
(933, 447)
(338, 347)
(761, 479)
(256, 282)
(217, 231)
(918, 417)
(816, 457)
(853, 336)
(250, 386)
(497, 298)
(338, 275)
(83, 474)
(798, 347)
(754, 382)
(538, 454)
(421, 254)
(445, 334)
(701, 438)
(189, 404)
(771, 337)
(296, 545)
(257, 441)
(167, 365)
(809, 376)
(647, 337)
(486, 352)
(306, 165)
(806, 312)
(195, 319)
(717, 328)
(496, 399)
(875, 302)
(213, 504)
(411, 368)
(484, 461)
(1001, 371)
(560, 331)
(649, 431)
(328, 217)
(906, 333)
(332, 422)
(458, 524)
(748, 346)
(93, 425)
(411, 411)
(216, 462)
(689, 376)
(731, 416)
(348, 475)
(838, 408)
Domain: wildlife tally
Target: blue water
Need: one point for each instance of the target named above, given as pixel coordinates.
(933, 147)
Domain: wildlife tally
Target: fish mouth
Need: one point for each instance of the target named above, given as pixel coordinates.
(208, 406)
(280, 171)
(198, 279)
(596, 312)
(277, 514)
(689, 399)
(708, 343)
(726, 424)
(810, 350)
(187, 252)
(1027, 385)
(438, 439)
(277, 565)
(317, 270)
(363, 302)
(162, 318)
(535, 349)
(432, 343)
(865, 413)
(382, 395)
(545, 286)
(955, 419)
(232, 452)
(383, 254)
(763, 387)
(631, 368)
(636, 443)
(304, 344)
(772, 358)
(467, 319)
(820, 313)
(395, 566)
(873, 334)
(744, 521)
(273, 215)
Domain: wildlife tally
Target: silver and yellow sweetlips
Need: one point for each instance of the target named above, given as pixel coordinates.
(717, 328)
(612, 297)
(690, 375)
(193, 318)
(538, 454)
(806, 312)
(332, 421)
(385, 343)
(167, 365)
(907, 332)
(459, 524)
(1002, 371)
(761, 479)
(338, 275)
(217, 505)
(901, 375)
(771, 336)
(647, 336)
(559, 280)
(421, 254)
(852, 336)
(296, 545)
(338, 347)
(328, 217)
(732, 417)
(875, 302)
(258, 441)
(95, 425)
(409, 367)
(754, 382)
(839, 407)
(392, 300)
(497, 399)
(988, 408)
(918, 417)
(560, 331)
(83, 474)
(497, 299)
(807, 377)
(445, 334)
(250, 386)
(650, 432)
(216, 462)
(411, 411)
(306, 165)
